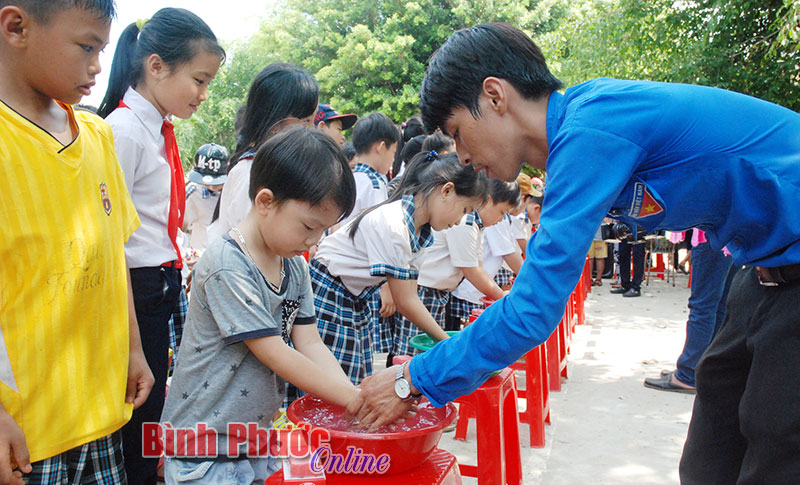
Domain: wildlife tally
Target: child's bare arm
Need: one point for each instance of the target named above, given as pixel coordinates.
(408, 303)
(12, 446)
(301, 371)
(514, 261)
(307, 341)
(484, 283)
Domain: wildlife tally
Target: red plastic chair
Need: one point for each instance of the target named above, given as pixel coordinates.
(494, 405)
(536, 394)
(556, 346)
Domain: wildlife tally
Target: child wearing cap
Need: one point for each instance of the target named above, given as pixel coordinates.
(207, 177)
(332, 123)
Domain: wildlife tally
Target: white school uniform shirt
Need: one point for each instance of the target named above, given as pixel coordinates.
(200, 205)
(140, 149)
(498, 241)
(461, 246)
(235, 200)
(371, 190)
(384, 245)
(521, 226)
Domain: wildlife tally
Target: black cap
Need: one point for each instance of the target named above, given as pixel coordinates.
(210, 165)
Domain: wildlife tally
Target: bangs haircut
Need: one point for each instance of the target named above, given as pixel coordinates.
(278, 92)
(43, 10)
(304, 164)
(458, 68)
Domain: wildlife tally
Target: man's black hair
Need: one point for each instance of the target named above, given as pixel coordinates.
(42, 10)
(374, 128)
(458, 68)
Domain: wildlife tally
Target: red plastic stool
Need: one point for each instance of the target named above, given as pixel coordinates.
(536, 394)
(557, 356)
(473, 315)
(399, 359)
(494, 405)
(487, 301)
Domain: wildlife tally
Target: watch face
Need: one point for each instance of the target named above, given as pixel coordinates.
(402, 389)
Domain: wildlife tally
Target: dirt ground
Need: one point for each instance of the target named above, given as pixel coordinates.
(607, 428)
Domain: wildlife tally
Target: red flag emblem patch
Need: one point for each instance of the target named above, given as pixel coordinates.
(106, 200)
(644, 204)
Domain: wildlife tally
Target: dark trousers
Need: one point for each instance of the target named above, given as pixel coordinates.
(711, 282)
(746, 420)
(155, 295)
(625, 250)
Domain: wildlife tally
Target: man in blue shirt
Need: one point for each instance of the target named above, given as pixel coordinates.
(655, 154)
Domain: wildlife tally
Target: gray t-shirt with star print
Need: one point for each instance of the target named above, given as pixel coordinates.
(217, 380)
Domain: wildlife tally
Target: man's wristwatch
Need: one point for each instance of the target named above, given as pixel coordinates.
(401, 386)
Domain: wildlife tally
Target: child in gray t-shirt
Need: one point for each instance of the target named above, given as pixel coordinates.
(251, 299)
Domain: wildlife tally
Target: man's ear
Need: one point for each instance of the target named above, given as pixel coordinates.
(15, 26)
(494, 92)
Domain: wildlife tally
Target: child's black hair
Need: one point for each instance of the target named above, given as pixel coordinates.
(411, 128)
(374, 128)
(349, 150)
(278, 92)
(176, 35)
(501, 191)
(536, 198)
(405, 153)
(438, 142)
(458, 68)
(425, 173)
(305, 164)
(43, 10)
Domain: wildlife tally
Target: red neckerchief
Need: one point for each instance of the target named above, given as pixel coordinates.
(177, 195)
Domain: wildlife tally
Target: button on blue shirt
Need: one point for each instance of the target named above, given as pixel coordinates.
(664, 156)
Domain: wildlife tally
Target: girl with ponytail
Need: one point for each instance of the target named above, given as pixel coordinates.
(387, 243)
(161, 68)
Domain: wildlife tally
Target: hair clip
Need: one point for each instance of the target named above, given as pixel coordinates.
(141, 22)
(432, 155)
(403, 125)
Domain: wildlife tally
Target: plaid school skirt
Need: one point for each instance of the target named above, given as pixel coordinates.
(460, 309)
(176, 322)
(435, 301)
(383, 327)
(344, 322)
(503, 277)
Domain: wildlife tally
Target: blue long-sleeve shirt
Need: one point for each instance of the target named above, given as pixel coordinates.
(664, 156)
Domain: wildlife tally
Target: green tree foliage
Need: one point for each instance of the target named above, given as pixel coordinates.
(749, 46)
(366, 55)
(371, 55)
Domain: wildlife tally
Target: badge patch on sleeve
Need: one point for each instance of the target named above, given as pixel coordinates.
(644, 204)
(106, 200)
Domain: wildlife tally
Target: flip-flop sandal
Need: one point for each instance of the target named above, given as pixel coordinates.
(599, 283)
(664, 383)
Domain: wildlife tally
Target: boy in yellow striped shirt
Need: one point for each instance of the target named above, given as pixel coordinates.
(71, 365)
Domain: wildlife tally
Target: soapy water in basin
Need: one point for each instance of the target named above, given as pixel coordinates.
(330, 416)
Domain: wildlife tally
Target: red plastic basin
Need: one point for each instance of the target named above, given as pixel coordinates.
(408, 442)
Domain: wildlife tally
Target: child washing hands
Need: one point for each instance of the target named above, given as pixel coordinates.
(252, 297)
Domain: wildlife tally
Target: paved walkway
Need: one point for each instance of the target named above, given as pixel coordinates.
(607, 428)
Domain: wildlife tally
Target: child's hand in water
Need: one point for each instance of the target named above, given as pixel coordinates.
(354, 406)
